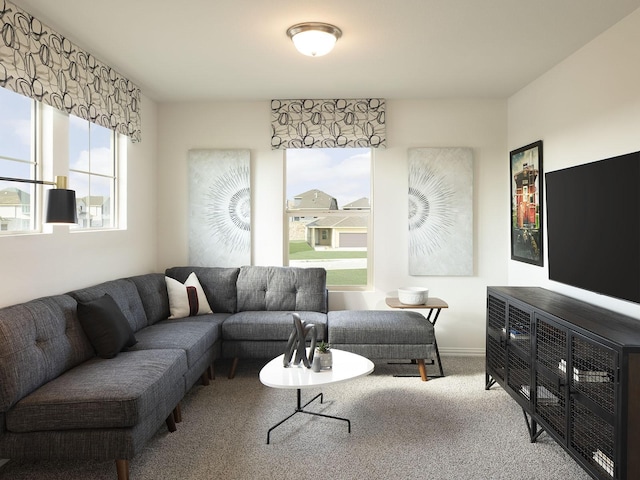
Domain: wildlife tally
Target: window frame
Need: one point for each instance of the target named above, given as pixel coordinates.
(35, 171)
(114, 180)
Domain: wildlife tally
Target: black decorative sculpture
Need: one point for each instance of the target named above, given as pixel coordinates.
(298, 342)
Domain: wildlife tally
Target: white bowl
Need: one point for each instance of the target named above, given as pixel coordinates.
(413, 295)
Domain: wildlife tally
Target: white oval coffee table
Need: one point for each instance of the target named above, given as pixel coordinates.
(346, 366)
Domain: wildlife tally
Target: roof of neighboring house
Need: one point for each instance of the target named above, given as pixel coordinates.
(339, 222)
(13, 196)
(360, 204)
(313, 199)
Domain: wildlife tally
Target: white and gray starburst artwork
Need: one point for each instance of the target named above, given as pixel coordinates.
(440, 211)
(220, 208)
(228, 214)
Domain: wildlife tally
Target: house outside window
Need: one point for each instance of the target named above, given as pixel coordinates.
(92, 173)
(328, 214)
(18, 160)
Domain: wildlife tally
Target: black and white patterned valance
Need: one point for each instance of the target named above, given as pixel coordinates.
(38, 62)
(308, 123)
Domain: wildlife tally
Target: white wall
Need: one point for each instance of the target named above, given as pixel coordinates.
(46, 264)
(585, 109)
(480, 125)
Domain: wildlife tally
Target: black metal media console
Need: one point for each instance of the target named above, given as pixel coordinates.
(574, 368)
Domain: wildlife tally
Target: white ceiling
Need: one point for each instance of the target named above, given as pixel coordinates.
(238, 49)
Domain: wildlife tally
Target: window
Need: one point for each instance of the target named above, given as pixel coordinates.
(17, 160)
(328, 213)
(92, 173)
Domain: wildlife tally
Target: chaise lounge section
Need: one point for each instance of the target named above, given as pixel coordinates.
(382, 334)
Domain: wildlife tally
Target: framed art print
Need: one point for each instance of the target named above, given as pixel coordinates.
(526, 204)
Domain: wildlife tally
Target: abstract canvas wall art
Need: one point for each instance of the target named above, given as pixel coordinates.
(440, 211)
(219, 208)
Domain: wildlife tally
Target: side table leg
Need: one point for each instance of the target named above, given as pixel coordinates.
(422, 369)
(435, 341)
(435, 344)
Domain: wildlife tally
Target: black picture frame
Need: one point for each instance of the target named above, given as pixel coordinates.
(526, 204)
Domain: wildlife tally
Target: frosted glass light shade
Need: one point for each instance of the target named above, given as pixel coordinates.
(314, 39)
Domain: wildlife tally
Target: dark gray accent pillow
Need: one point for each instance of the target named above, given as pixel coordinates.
(106, 326)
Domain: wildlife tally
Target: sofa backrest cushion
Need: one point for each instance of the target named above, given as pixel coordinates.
(218, 283)
(153, 294)
(282, 288)
(39, 340)
(124, 292)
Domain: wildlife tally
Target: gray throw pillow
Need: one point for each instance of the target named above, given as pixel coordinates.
(106, 326)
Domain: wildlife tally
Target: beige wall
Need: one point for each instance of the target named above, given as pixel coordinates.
(56, 262)
(585, 109)
(479, 124)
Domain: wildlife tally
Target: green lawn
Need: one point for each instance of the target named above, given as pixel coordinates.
(355, 276)
(300, 250)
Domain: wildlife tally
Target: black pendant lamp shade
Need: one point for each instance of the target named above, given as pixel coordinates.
(61, 203)
(61, 206)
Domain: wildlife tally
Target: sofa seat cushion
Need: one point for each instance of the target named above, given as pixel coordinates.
(267, 326)
(195, 338)
(379, 327)
(114, 393)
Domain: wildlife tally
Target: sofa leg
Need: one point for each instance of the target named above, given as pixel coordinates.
(204, 378)
(177, 414)
(171, 422)
(212, 372)
(122, 467)
(232, 370)
(423, 369)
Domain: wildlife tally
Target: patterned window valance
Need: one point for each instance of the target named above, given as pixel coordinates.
(308, 123)
(37, 62)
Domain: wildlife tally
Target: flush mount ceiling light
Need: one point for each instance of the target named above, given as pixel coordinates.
(314, 38)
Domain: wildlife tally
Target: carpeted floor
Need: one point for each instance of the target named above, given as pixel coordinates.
(446, 428)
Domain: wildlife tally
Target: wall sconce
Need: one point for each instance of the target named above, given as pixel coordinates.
(314, 38)
(61, 203)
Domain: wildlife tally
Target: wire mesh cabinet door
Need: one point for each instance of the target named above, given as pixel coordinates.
(594, 380)
(551, 376)
(496, 348)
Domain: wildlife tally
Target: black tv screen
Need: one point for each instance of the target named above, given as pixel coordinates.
(593, 226)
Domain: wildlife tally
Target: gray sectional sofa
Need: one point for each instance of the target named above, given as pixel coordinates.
(63, 397)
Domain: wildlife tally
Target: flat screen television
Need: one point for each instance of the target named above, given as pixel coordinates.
(593, 226)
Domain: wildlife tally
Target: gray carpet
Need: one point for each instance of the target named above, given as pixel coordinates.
(446, 428)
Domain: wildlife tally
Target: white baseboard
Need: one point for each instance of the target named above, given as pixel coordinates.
(462, 352)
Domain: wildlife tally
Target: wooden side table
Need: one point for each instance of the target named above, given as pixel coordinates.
(433, 304)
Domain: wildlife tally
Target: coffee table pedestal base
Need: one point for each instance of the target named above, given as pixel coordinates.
(300, 409)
